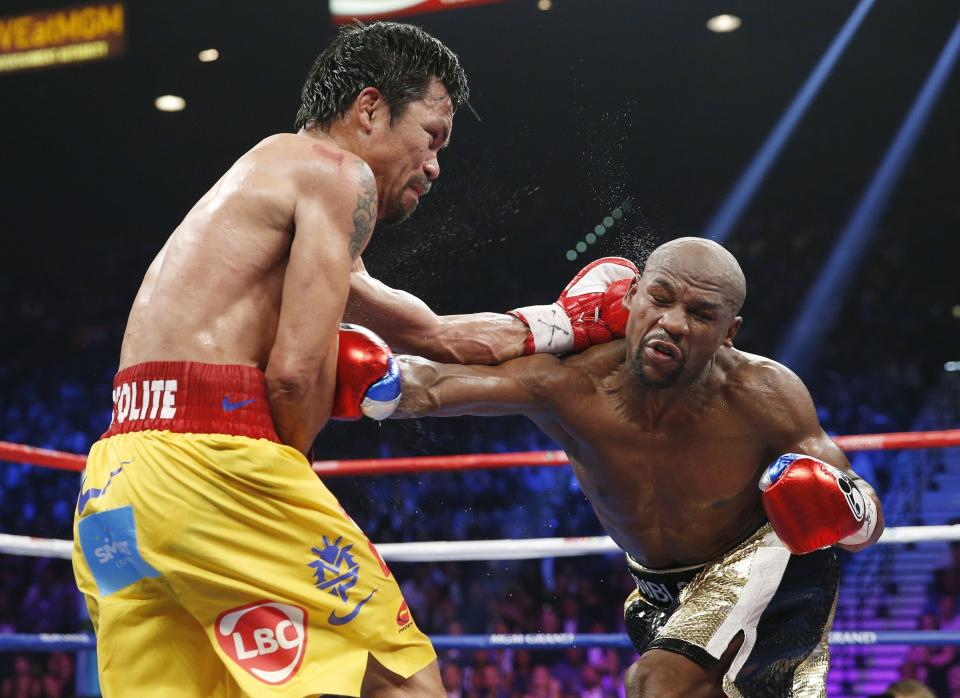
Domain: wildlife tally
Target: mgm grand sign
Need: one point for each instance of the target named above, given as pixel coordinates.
(66, 35)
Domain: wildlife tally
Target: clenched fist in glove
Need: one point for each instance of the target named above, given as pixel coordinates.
(588, 312)
(368, 378)
(812, 504)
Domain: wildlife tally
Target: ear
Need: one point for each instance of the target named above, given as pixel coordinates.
(732, 331)
(371, 108)
(631, 292)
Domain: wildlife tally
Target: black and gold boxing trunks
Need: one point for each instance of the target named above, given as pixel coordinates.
(782, 603)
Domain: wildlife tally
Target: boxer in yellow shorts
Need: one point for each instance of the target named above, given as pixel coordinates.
(212, 559)
(229, 565)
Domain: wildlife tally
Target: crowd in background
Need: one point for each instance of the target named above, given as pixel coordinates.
(871, 378)
(564, 595)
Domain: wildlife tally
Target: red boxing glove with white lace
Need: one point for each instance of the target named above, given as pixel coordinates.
(588, 312)
(812, 504)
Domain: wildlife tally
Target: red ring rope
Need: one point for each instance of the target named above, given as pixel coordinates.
(416, 464)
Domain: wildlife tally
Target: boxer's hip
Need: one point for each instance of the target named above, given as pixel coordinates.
(190, 397)
(781, 603)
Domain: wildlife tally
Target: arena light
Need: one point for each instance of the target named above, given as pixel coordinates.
(599, 230)
(952, 366)
(824, 301)
(170, 103)
(544, 5)
(208, 55)
(721, 24)
(732, 208)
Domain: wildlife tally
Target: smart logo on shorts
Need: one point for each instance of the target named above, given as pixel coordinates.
(266, 638)
(336, 572)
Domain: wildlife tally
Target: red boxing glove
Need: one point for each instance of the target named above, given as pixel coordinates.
(368, 378)
(588, 312)
(812, 504)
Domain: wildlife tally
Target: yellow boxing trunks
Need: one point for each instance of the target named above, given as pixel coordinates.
(214, 562)
(782, 603)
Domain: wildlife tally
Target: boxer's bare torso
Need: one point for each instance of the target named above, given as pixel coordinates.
(213, 293)
(673, 482)
(668, 430)
(258, 274)
(677, 485)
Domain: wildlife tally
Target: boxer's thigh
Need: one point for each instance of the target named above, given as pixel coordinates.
(293, 597)
(665, 674)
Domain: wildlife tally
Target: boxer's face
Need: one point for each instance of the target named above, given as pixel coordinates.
(403, 154)
(678, 320)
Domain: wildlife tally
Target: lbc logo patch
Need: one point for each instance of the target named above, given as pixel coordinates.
(266, 638)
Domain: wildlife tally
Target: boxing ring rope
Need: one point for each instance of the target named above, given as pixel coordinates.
(15, 642)
(471, 550)
(533, 548)
(417, 464)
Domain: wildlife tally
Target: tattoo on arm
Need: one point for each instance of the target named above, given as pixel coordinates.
(365, 214)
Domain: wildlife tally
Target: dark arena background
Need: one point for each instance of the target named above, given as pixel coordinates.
(818, 140)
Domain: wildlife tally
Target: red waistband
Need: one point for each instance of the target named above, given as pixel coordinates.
(189, 397)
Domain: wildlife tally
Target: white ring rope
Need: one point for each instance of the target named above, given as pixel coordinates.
(521, 549)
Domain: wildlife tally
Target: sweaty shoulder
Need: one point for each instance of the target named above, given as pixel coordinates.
(766, 392)
(582, 373)
(331, 187)
(315, 165)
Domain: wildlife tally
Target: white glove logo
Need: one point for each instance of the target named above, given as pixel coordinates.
(853, 495)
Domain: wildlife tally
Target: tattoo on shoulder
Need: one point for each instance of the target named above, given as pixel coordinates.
(365, 214)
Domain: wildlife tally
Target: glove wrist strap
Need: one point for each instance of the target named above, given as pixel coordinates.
(868, 527)
(550, 327)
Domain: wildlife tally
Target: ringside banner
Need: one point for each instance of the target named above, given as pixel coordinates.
(343, 11)
(66, 35)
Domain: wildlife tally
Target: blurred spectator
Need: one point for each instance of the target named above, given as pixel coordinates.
(452, 679)
(953, 681)
(24, 683)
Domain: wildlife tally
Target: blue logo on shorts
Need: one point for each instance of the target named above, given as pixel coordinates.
(337, 572)
(229, 405)
(93, 492)
(109, 544)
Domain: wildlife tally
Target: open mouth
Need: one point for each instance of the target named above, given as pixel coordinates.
(665, 350)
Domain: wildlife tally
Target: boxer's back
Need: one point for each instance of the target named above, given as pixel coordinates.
(213, 292)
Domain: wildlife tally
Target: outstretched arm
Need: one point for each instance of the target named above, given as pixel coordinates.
(519, 386)
(588, 312)
(800, 432)
(409, 325)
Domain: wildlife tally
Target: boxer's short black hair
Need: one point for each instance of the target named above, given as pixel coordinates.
(397, 59)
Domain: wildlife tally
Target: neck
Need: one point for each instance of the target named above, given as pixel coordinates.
(347, 140)
(649, 405)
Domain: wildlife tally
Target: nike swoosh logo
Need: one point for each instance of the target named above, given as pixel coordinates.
(229, 406)
(334, 619)
(93, 492)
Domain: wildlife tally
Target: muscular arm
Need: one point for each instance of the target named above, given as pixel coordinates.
(409, 325)
(519, 386)
(332, 225)
(795, 428)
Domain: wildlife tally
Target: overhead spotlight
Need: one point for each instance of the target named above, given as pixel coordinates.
(724, 23)
(208, 55)
(170, 103)
(544, 5)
